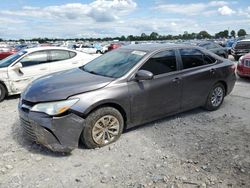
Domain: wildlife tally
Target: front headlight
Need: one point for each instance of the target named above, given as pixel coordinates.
(54, 108)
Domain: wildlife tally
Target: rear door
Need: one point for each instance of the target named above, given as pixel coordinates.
(198, 76)
(34, 65)
(151, 99)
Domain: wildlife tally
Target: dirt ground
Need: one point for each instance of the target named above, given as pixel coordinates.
(192, 149)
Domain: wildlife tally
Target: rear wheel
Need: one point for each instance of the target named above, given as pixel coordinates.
(215, 97)
(3, 92)
(102, 127)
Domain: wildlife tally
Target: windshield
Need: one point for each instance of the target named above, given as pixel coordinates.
(10, 59)
(114, 64)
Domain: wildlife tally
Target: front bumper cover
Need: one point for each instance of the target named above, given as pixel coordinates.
(59, 134)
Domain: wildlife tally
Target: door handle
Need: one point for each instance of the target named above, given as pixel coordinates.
(212, 71)
(43, 68)
(176, 80)
(76, 62)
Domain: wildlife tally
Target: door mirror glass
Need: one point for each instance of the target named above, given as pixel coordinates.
(144, 75)
(17, 66)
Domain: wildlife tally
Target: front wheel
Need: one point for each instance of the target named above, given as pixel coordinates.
(2, 92)
(215, 97)
(102, 127)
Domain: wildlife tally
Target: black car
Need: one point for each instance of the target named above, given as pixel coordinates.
(240, 48)
(121, 89)
(214, 47)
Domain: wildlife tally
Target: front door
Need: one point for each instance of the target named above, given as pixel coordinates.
(156, 98)
(34, 65)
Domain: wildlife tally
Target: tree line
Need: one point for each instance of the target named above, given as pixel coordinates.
(152, 36)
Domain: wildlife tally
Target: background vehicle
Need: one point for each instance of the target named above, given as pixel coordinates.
(122, 89)
(213, 47)
(240, 48)
(5, 52)
(114, 46)
(89, 49)
(18, 70)
(243, 66)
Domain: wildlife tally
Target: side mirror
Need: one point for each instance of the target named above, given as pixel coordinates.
(17, 66)
(144, 75)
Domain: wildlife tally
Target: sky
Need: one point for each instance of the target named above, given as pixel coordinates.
(109, 18)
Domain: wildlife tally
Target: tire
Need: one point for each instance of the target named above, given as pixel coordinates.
(98, 52)
(95, 134)
(215, 97)
(3, 92)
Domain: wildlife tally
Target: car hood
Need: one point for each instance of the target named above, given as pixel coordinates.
(61, 85)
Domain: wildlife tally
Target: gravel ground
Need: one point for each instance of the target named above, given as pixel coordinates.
(192, 149)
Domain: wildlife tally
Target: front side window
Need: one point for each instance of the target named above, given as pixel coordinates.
(191, 58)
(161, 63)
(35, 58)
(115, 63)
(59, 55)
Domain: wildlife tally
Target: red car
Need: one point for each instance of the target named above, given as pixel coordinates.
(243, 67)
(114, 46)
(6, 52)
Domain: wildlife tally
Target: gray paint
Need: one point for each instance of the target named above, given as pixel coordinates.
(141, 101)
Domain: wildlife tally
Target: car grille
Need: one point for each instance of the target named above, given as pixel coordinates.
(28, 129)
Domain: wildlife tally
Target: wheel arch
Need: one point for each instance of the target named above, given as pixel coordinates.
(109, 104)
(4, 85)
(224, 84)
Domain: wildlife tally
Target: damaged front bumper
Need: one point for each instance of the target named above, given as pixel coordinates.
(59, 134)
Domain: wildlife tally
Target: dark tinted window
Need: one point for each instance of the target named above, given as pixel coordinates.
(208, 59)
(34, 58)
(161, 63)
(242, 45)
(59, 55)
(191, 58)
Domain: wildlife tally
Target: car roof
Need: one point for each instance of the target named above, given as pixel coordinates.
(155, 46)
(244, 40)
(29, 50)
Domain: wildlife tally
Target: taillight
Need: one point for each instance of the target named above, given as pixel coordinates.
(241, 61)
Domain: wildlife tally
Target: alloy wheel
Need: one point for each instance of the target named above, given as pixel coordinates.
(105, 130)
(217, 96)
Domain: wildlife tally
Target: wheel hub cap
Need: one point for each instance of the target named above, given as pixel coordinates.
(217, 96)
(105, 130)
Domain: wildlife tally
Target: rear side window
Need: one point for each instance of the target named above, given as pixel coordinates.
(35, 58)
(194, 58)
(72, 54)
(161, 63)
(60, 55)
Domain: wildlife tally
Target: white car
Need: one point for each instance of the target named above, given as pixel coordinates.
(20, 69)
(89, 49)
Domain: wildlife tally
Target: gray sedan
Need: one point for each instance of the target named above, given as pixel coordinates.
(124, 88)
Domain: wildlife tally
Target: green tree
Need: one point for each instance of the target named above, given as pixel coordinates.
(154, 36)
(232, 33)
(203, 35)
(241, 33)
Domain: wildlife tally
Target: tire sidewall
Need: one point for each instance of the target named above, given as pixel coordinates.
(3, 92)
(209, 105)
(90, 121)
